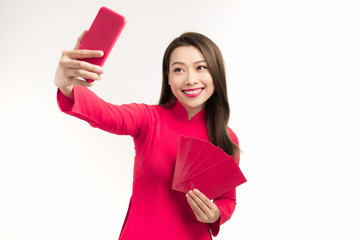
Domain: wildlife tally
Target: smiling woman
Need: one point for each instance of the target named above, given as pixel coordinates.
(189, 79)
(200, 53)
(193, 103)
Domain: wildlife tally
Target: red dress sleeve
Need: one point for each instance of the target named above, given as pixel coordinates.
(226, 202)
(126, 119)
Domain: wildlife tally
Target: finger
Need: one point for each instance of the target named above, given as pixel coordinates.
(75, 73)
(196, 209)
(199, 202)
(83, 53)
(79, 39)
(204, 199)
(78, 64)
(81, 82)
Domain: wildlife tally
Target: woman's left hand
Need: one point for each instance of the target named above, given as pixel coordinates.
(204, 209)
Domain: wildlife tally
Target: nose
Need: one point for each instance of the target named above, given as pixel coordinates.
(191, 78)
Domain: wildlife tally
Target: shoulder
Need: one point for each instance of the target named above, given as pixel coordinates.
(160, 110)
(141, 111)
(235, 140)
(150, 111)
(233, 136)
(145, 109)
(139, 107)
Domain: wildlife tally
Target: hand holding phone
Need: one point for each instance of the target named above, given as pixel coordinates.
(102, 35)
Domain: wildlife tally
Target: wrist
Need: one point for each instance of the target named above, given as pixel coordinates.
(217, 215)
(68, 91)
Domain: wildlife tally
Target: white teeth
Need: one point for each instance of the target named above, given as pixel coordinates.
(193, 91)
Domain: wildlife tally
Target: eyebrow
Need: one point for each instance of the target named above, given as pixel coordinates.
(181, 63)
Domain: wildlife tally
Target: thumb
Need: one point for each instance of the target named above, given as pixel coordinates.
(80, 38)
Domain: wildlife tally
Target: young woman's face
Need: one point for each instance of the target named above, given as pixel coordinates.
(190, 79)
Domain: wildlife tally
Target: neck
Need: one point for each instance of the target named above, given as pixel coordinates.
(193, 111)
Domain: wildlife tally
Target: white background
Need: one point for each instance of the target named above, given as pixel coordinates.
(293, 78)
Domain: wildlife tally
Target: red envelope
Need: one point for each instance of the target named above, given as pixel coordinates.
(206, 167)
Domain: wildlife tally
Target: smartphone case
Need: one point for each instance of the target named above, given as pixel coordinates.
(102, 34)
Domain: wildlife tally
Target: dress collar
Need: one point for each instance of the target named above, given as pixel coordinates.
(179, 110)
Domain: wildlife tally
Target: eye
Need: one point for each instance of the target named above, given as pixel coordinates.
(178, 70)
(201, 67)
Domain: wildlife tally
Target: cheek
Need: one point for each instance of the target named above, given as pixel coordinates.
(174, 88)
(212, 90)
(174, 81)
(210, 84)
(171, 79)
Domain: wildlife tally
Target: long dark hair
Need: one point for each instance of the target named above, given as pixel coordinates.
(217, 106)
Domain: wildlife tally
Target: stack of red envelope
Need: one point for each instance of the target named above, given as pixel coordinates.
(206, 167)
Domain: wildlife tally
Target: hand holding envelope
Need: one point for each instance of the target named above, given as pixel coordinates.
(204, 209)
(206, 167)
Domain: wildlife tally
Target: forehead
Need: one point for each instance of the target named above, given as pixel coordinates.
(186, 54)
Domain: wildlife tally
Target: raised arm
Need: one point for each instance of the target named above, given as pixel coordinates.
(71, 70)
(74, 97)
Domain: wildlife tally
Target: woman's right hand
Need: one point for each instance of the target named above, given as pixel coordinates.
(71, 70)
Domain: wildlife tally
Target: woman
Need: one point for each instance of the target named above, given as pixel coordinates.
(193, 103)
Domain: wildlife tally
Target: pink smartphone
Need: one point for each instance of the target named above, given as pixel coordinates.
(102, 35)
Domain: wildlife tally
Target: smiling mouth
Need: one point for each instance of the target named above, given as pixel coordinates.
(193, 92)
